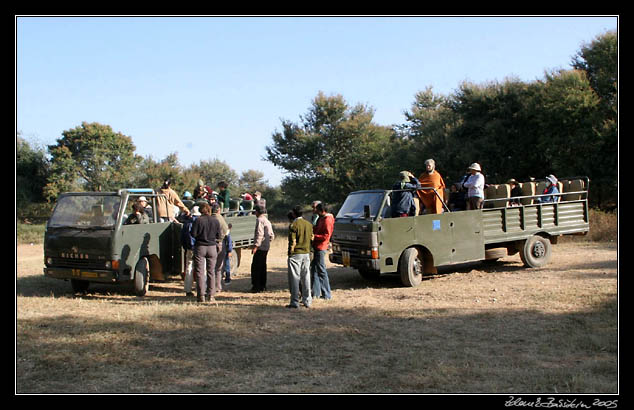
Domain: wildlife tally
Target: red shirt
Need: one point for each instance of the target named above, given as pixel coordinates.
(323, 231)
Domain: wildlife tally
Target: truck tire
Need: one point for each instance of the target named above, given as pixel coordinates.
(535, 252)
(410, 266)
(142, 277)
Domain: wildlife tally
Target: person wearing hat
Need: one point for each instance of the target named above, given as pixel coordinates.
(188, 242)
(516, 191)
(475, 187)
(403, 196)
(431, 178)
(166, 204)
(550, 189)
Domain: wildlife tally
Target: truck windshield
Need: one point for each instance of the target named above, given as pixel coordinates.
(354, 203)
(85, 211)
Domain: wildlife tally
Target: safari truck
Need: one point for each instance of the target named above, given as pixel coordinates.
(365, 237)
(87, 240)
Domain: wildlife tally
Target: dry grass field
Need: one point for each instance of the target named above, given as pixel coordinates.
(473, 328)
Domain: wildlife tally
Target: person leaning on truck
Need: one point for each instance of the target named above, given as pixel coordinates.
(300, 234)
(475, 187)
(206, 233)
(403, 201)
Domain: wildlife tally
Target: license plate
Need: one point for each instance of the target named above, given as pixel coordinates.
(345, 255)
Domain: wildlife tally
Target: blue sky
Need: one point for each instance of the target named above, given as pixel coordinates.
(218, 87)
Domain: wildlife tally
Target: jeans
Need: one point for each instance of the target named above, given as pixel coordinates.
(299, 271)
(319, 275)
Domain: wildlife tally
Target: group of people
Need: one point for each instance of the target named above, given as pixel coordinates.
(222, 195)
(414, 196)
(308, 279)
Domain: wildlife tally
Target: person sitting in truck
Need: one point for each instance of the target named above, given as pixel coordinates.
(431, 178)
(146, 207)
(403, 195)
(138, 215)
(516, 192)
(202, 191)
(223, 197)
(550, 189)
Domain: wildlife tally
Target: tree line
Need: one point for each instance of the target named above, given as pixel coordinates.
(564, 124)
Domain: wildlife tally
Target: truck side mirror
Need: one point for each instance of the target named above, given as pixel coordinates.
(366, 211)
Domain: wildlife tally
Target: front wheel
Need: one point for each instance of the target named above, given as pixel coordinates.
(411, 267)
(536, 251)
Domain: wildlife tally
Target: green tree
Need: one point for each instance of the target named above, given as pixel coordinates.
(90, 157)
(334, 150)
(31, 170)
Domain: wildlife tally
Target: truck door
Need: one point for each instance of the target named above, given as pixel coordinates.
(467, 235)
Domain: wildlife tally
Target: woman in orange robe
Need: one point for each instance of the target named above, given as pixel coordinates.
(431, 179)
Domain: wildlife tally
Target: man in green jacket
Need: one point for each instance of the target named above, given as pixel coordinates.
(300, 233)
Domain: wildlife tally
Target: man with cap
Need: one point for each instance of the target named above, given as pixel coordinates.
(550, 189)
(403, 196)
(475, 187)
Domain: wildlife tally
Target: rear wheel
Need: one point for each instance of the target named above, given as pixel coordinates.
(142, 277)
(410, 267)
(535, 251)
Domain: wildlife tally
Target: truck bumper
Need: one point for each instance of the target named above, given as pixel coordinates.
(357, 263)
(104, 276)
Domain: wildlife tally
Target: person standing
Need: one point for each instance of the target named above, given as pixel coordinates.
(227, 244)
(262, 238)
(167, 203)
(300, 234)
(321, 238)
(220, 248)
(188, 243)
(206, 233)
(475, 187)
(431, 178)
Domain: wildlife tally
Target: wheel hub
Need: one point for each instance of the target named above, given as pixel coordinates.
(539, 250)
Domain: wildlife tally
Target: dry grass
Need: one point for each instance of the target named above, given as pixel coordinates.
(476, 328)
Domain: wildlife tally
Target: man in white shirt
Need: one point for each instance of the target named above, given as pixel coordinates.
(475, 186)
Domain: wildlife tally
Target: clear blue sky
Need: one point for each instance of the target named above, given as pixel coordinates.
(218, 87)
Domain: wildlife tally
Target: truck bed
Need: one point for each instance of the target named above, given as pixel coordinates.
(516, 223)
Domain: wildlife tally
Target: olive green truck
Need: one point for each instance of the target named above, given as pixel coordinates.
(87, 240)
(365, 237)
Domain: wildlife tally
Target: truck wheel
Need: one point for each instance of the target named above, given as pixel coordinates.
(410, 267)
(79, 286)
(142, 277)
(535, 252)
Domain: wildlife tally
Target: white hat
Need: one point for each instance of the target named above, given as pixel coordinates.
(475, 166)
(195, 211)
(552, 179)
(142, 198)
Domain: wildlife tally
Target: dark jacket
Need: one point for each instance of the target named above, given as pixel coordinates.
(403, 201)
(206, 231)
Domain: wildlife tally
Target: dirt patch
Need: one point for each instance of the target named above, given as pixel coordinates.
(479, 328)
